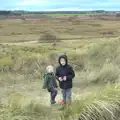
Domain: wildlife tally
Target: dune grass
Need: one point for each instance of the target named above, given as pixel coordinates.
(94, 63)
(100, 105)
(101, 69)
(100, 60)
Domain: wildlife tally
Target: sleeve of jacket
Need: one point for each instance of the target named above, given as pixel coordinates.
(57, 74)
(56, 83)
(71, 74)
(45, 82)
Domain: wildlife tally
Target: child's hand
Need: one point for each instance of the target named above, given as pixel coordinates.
(60, 79)
(64, 78)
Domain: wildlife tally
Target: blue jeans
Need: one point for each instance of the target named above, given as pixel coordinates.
(67, 95)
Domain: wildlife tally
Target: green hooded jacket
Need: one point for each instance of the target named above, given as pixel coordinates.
(49, 81)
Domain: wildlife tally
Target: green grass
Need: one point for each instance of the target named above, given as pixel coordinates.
(90, 58)
(96, 64)
(68, 14)
(103, 104)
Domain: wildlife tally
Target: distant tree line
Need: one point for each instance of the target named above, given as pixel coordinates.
(5, 12)
(21, 12)
(2, 12)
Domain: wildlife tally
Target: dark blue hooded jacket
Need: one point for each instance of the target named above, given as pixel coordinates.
(67, 71)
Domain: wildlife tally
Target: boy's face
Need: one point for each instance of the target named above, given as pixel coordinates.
(62, 62)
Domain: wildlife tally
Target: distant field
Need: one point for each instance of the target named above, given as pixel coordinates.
(16, 30)
(58, 14)
(68, 14)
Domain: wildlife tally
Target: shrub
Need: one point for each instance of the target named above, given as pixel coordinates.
(118, 15)
(49, 38)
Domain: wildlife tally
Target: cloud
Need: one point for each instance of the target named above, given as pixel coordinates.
(64, 9)
(32, 2)
(61, 5)
(68, 9)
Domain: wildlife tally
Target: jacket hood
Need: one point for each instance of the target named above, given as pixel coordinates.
(63, 56)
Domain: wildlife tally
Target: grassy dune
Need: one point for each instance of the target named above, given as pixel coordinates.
(100, 105)
(97, 69)
(92, 51)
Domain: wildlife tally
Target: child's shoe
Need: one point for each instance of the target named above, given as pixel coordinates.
(53, 102)
(68, 103)
(62, 103)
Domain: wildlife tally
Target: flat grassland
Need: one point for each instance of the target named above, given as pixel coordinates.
(16, 30)
(61, 14)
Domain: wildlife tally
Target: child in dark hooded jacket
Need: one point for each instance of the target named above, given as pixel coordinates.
(65, 75)
(50, 83)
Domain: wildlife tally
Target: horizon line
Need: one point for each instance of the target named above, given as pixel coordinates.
(63, 10)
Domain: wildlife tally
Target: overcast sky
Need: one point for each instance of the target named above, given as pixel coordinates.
(60, 5)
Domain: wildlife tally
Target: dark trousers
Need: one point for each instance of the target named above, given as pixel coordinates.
(53, 94)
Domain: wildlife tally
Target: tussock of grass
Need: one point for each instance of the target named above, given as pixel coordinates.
(23, 106)
(109, 73)
(78, 60)
(104, 104)
(6, 61)
(105, 50)
(101, 64)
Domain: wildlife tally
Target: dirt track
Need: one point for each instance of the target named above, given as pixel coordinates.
(20, 43)
(35, 41)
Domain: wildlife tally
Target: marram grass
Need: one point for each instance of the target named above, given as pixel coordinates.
(99, 105)
(22, 107)
(102, 105)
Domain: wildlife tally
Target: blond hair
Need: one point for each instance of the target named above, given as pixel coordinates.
(49, 69)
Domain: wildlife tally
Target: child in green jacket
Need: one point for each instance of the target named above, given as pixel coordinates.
(50, 83)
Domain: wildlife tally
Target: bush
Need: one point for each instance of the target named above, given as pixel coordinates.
(118, 15)
(49, 38)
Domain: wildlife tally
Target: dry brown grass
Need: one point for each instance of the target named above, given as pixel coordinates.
(18, 30)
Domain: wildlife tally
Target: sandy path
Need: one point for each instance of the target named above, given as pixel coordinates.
(66, 39)
(20, 43)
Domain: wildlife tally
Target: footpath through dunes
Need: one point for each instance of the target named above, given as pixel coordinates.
(25, 99)
(95, 103)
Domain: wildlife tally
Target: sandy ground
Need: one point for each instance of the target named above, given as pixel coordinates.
(20, 43)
